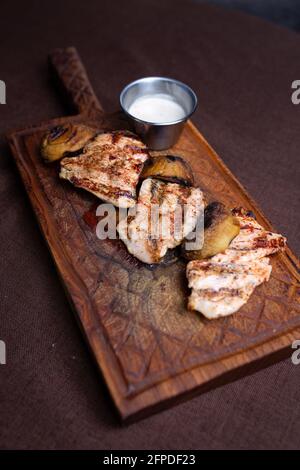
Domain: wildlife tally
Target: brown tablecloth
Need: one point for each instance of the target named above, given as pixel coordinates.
(51, 395)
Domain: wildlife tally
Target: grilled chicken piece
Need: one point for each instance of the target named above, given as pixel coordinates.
(222, 284)
(253, 242)
(212, 275)
(220, 289)
(164, 215)
(108, 167)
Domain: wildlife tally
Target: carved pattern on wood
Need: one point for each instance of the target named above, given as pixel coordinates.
(73, 76)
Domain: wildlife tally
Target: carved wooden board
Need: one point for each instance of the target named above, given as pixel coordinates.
(150, 349)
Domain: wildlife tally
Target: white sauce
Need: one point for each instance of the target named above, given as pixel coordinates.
(158, 108)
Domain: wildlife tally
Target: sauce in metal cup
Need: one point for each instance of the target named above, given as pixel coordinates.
(158, 107)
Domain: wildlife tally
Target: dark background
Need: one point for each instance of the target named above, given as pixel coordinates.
(283, 12)
(241, 67)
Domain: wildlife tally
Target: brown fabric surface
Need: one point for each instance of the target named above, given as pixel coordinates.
(51, 395)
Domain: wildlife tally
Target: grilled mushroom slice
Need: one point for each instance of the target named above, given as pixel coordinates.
(64, 140)
(220, 227)
(170, 168)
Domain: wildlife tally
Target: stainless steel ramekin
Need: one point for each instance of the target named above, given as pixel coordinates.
(159, 135)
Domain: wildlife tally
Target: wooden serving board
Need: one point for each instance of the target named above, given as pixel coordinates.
(149, 348)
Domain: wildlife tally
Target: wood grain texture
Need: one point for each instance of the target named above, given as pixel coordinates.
(149, 347)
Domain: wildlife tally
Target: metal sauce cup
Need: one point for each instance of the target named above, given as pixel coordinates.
(159, 135)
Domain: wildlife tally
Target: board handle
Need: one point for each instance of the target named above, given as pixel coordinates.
(72, 75)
